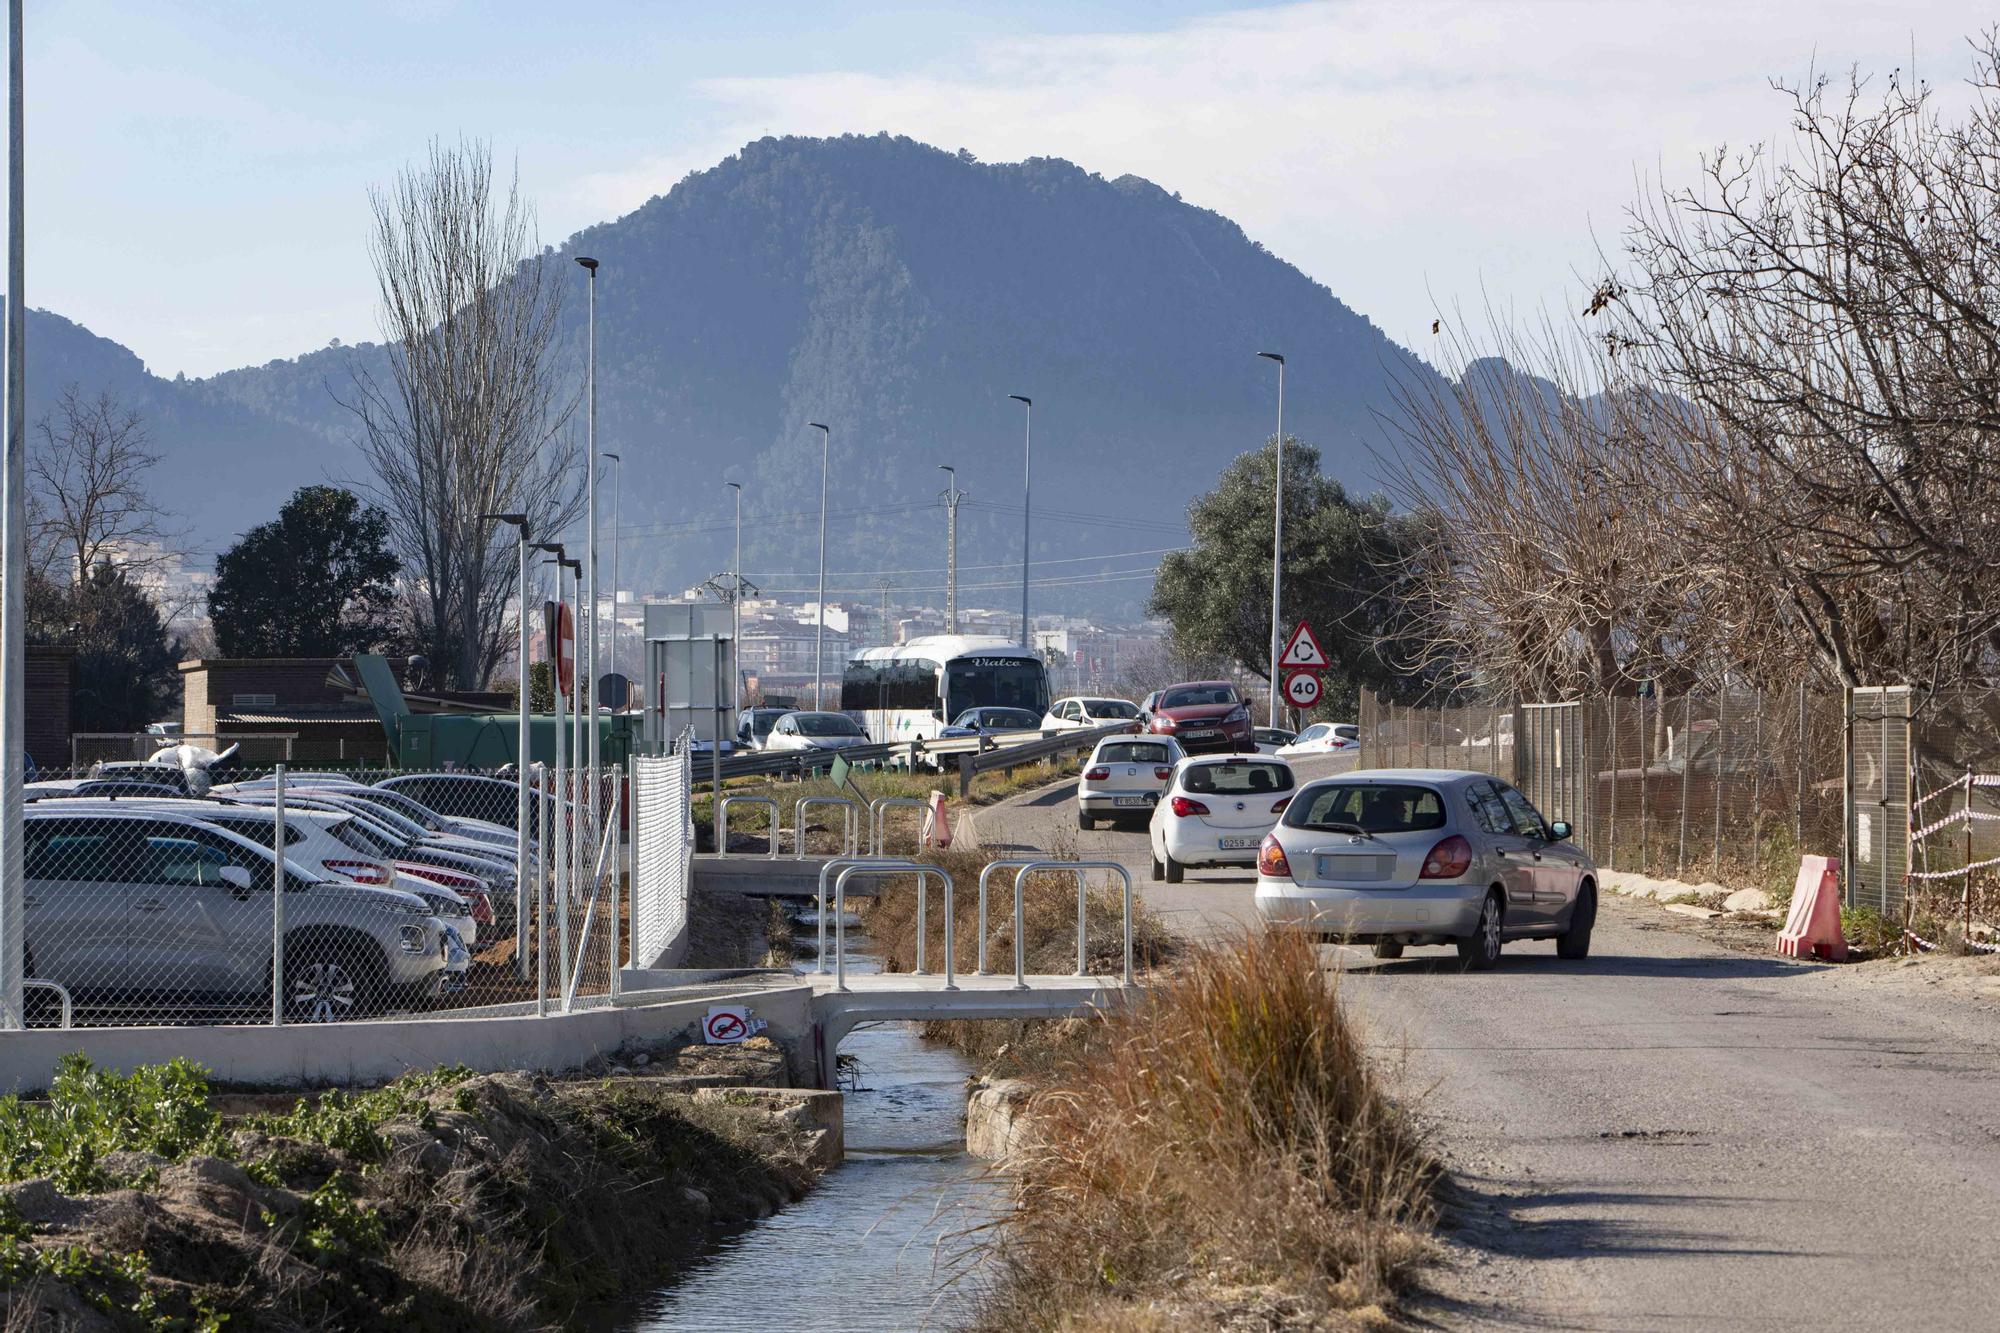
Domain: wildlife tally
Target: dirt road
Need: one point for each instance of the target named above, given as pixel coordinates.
(1669, 1134)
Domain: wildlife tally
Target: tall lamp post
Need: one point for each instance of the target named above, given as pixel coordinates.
(1277, 543)
(14, 556)
(819, 629)
(952, 495)
(1027, 453)
(618, 472)
(521, 746)
(588, 593)
(559, 863)
(736, 604)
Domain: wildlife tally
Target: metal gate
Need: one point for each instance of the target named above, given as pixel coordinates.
(1551, 758)
(1878, 797)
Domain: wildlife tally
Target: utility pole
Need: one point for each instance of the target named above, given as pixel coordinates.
(1027, 473)
(819, 620)
(586, 688)
(1277, 548)
(736, 609)
(617, 474)
(14, 554)
(888, 635)
(952, 495)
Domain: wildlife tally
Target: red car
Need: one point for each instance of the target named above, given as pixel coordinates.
(1203, 715)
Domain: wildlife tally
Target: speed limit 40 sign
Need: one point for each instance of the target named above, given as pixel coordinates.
(1302, 689)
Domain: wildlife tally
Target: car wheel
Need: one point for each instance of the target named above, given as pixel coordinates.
(1159, 871)
(1388, 948)
(330, 983)
(1481, 950)
(1574, 942)
(1085, 822)
(1175, 871)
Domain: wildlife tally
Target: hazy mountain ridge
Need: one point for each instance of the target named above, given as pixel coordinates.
(898, 292)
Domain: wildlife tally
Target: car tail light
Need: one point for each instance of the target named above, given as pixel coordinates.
(1449, 859)
(1163, 772)
(361, 872)
(482, 908)
(1279, 808)
(1183, 807)
(1097, 775)
(451, 879)
(1271, 862)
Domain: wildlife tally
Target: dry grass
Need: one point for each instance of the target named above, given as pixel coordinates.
(1222, 1147)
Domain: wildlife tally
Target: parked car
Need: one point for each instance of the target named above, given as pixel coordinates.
(432, 821)
(1216, 811)
(496, 800)
(982, 721)
(816, 731)
(1323, 738)
(1271, 739)
(753, 726)
(165, 914)
(1124, 778)
(1147, 705)
(51, 789)
(1204, 715)
(1395, 857)
(1085, 711)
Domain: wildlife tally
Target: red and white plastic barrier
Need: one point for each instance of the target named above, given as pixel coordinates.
(1812, 928)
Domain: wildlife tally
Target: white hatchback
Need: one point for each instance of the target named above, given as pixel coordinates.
(1323, 738)
(1081, 711)
(1124, 778)
(1216, 812)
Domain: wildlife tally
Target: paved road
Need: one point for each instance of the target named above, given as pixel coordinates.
(1671, 1135)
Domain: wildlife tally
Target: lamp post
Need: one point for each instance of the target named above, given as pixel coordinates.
(1027, 448)
(587, 594)
(14, 556)
(617, 474)
(521, 746)
(952, 495)
(1277, 542)
(736, 606)
(819, 628)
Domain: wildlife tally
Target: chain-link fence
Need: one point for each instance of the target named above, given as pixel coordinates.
(157, 894)
(662, 856)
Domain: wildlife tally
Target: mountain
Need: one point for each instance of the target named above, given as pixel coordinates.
(899, 293)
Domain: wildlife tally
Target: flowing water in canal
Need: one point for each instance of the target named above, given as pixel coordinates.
(871, 1249)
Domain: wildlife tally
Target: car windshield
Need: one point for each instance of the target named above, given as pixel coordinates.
(1236, 779)
(1114, 709)
(1314, 732)
(1374, 807)
(826, 724)
(1132, 752)
(1199, 697)
(761, 721)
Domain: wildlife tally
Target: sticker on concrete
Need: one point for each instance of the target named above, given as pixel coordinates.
(728, 1024)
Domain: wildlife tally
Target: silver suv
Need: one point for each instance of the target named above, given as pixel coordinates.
(167, 918)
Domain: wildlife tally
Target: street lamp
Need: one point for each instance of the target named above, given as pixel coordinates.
(616, 476)
(14, 557)
(1277, 539)
(736, 605)
(819, 629)
(952, 495)
(1027, 446)
(521, 745)
(588, 593)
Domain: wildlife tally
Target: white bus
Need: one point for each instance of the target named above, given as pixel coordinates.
(913, 691)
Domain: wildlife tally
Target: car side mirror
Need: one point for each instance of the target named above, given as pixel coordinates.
(236, 877)
(1560, 831)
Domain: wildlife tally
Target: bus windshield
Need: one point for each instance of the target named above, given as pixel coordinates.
(1003, 682)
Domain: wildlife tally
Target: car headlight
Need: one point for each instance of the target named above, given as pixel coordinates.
(1241, 714)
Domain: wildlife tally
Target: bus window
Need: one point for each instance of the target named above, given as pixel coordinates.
(996, 682)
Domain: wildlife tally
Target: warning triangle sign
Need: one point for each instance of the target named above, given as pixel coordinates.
(1303, 649)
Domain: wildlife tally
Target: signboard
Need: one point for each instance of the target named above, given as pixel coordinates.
(726, 1025)
(559, 628)
(842, 775)
(1302, 689)
(1303, 650)
(691, 660)
(614, 691)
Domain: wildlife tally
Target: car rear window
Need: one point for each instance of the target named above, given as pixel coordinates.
(1236, 779)
(1348, 733)
(1373, 807)
(1132, 752)
(1111, 708)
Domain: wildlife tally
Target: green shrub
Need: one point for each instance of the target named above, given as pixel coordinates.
(91, 1113)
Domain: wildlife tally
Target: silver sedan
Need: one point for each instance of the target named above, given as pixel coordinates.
(1393, 857)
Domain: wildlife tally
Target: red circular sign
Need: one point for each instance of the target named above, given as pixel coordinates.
(565, 648)
(1302, 689)
(726, 1027)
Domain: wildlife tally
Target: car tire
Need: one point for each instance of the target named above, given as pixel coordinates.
(1574, 942)
(1085, 822)
(1479, 951)
(1159, 871)
(1175, 871)
(1388, 948)
(329, 981)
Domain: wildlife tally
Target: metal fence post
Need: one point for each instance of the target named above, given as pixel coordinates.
(278, 897)
(1721, 755)
(1645, 812)
(1799, 777)
(1611, 816)
(1687, 766)
(542, 893)
(1757, 789)
(618, 876)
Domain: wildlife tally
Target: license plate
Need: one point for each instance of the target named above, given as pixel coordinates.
(1130, 802)
(1200, 735)
(1356, 867)
(1238, 844)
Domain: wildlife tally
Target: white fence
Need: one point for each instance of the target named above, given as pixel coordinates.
(662, 857)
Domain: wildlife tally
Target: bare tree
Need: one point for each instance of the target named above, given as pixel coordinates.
(471, 419)
(90, 499)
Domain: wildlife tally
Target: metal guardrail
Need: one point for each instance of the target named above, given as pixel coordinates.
(878, 818)
(850, 831)
(873, 869)
(798, 763)
(1081, 869)
(1014, 756)
(722, 822)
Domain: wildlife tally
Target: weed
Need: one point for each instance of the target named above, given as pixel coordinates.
(90, 1113)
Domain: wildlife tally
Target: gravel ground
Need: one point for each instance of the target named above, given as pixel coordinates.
(1684, 1131)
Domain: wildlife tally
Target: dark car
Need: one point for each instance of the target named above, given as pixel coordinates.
(1203, 715)
(979, 721)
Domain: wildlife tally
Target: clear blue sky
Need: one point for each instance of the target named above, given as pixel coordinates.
(198, 172)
